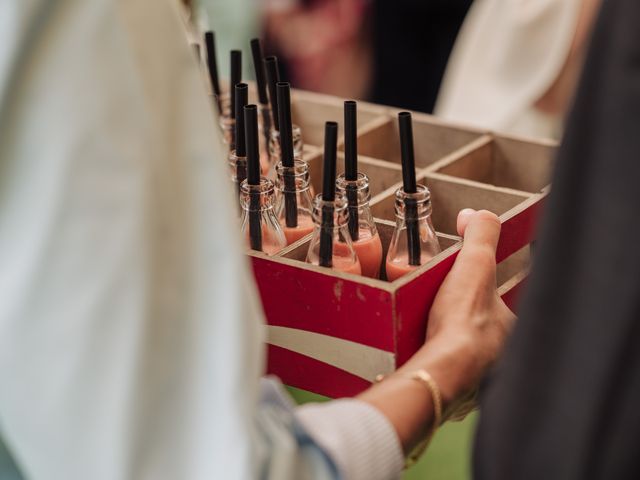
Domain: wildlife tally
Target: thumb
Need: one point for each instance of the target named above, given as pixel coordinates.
(463, 220)
(481, 237)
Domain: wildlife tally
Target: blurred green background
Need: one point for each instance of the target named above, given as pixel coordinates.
(447, 458)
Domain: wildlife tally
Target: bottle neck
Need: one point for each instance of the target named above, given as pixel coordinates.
(294, 179)
(416, 206)
(238, 167)
(330, 214)
(257, 197)
(357, 191)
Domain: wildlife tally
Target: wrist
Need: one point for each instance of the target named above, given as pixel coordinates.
(452, 364)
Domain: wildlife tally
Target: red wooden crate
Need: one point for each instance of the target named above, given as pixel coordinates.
(331, 332)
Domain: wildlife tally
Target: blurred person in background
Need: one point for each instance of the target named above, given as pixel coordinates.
(324, 45)
(412, 43)
(392, 53)
(515, 65)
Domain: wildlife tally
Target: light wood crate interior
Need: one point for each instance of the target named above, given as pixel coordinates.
(463, 168)
(310, 111)
(448, 197)
(504, 162)
(382, 175)
(432, 140)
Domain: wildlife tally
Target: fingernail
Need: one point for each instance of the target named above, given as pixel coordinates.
(467, 211)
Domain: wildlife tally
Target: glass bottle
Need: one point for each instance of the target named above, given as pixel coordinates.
(274, 144)
(343, 257)
(398, 263)
(362, 228)
(227, 124)
(238, 167)
(257, 203)
(294, 183)
(225, 104)
(265, 123)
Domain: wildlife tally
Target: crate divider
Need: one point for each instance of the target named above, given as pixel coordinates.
(503, 161)
(461, 152)
(450, 195)
(381, 174)
(432, 141)
(310, 111)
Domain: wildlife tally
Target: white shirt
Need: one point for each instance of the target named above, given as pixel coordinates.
(130, 330)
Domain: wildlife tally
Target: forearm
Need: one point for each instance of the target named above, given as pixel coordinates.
(408, 404)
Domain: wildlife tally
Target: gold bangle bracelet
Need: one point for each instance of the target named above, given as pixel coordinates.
(423, 377)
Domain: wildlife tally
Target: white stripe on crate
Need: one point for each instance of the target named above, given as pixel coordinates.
(359, 360)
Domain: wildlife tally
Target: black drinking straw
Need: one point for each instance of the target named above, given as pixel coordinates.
(241, 94)
(253, 175)
(286, 152)
(212, 65)
(409, 184)
(261, 81)
(351, 164)
(273, 77)
(236, 77)
(258, 65)
(328, 193)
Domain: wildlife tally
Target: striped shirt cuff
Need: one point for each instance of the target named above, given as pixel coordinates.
(360, 440)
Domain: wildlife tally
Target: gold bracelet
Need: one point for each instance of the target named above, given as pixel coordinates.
(423, 377)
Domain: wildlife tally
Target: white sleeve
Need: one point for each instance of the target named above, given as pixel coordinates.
(359, 439)
(130, 339)
(346, 439)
